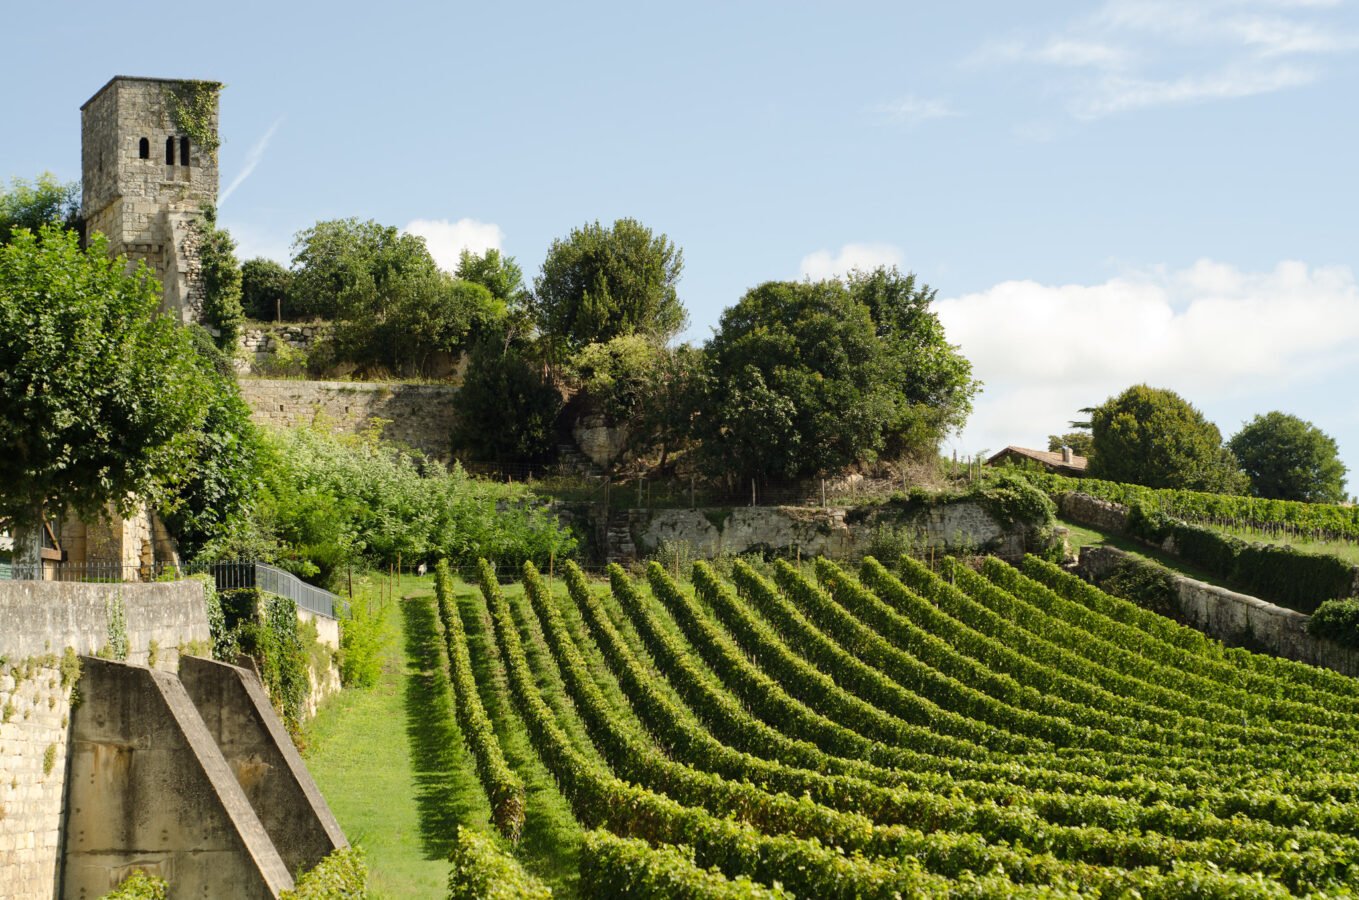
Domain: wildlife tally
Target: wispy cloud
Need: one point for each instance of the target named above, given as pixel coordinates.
(252, 159)
(911, 110)
(851, 257)
(1137, 54)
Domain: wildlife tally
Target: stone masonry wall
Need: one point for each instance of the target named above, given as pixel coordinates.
(824, 531)
(43, 625)
(1235, 619)
(257, 351)
(420, 415)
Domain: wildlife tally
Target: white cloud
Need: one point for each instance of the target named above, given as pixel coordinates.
(446, 240)
(1218, 335)
(1115, 94)
(252, 159)
(822, 264)
(912, 110)
(1137, 54)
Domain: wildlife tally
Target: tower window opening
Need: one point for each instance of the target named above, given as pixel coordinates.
(144, 149)
(183, 151)
(169, 151)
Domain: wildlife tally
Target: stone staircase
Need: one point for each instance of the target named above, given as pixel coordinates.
(618, 544)
(570, 461)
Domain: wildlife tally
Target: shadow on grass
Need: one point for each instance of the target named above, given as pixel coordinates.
(435, 742)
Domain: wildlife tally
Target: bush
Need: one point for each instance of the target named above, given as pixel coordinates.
(264, 627)
(342, 875)
(139, 886)
(363, 634)
(1337, 620)
(482, 871)
(1149, 585)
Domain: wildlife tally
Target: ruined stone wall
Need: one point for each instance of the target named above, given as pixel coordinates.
(278, 349)
(420, 415)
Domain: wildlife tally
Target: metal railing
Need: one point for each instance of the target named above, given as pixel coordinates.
(226, 575)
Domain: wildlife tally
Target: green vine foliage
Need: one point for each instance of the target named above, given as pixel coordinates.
(117, 627)
(221, 275)
(192, 105)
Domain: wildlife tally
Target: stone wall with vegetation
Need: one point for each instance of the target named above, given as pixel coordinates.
(828, 531)
(44, 627)
(1235, 619)
(418, 415)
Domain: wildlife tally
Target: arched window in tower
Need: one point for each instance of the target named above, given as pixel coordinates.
(144, 149)
(183, 151)
(169, 151)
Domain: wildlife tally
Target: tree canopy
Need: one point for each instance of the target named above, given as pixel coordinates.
(1287, 458)
(1154, 437)
(599, 283)
(100, 397)
(394, 309)
(1082, 443)
(221, 280)
(266, 290)
(807, 377)
(33, 204)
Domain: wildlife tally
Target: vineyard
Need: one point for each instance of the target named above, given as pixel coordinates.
(821, 731)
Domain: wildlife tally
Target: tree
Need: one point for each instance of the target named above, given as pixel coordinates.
(335, 260)
(43, 201)
(500, 275)
(600, 283)
(221, 276)
(1154, 437)
(507, 407)
(1287, 458)
(815, 376)
(100, 397)
(266, 290)
(224, 474)
(394, 308)
(1080, 442)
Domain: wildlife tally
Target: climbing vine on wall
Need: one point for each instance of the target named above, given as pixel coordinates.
(192, 104)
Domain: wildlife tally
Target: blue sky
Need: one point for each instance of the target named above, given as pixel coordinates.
(1103, 193)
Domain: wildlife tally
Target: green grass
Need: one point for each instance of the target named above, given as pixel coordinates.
(391, 762)
(1083, 536)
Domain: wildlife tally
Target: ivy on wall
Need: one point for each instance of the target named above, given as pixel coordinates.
(191, 105)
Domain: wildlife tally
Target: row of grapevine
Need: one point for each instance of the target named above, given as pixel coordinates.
(1001, 733)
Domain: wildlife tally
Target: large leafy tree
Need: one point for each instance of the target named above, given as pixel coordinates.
(815, 376)
(1154, 437)
(100, 397)
(507, 406)
(602, 282)
(394, 309)
(33, 204)
(1288, 458)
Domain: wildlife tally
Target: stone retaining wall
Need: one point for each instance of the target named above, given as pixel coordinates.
(419, 415)
(40, 621)
(825, 531)
(1235, 619)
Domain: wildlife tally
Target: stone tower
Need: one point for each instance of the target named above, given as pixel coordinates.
(149, 165)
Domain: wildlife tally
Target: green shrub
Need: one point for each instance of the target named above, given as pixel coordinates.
(363, 635)
(1149, 585)
(1337, 620)
(264, 627)
(342, 875)
(482, 871)
(139, 886)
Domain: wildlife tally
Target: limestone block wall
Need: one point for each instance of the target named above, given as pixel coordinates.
(419, 415)
(259, 346)
(823, 531)
(34, 722)
(43, 626)
(1235, 619)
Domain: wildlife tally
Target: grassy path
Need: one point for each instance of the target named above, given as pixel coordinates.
(391, 763)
